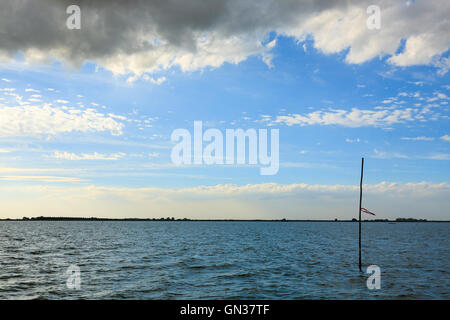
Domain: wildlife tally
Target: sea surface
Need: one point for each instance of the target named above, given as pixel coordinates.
(222, 260)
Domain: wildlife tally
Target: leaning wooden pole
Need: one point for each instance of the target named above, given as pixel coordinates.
(360, 203)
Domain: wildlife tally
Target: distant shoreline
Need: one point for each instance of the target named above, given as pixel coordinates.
(212, 220)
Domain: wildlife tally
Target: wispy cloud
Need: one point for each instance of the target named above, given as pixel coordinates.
(396, 155)
(62, 101)
(421, 138)
(353, 118)
(146, 77)
(86, 156)
(153, 154)
(15, 170)
(32, 90)
(40, 178)
(437, 156)
(389, 155)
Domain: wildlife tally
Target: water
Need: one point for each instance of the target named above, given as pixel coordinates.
(222, 260)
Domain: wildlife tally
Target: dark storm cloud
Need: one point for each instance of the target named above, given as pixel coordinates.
(142, 36)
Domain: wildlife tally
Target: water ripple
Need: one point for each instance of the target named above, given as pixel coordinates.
(217, 260)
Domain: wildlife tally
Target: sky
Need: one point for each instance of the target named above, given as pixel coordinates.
(86, 115)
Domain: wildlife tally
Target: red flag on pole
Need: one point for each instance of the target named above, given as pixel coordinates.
(367, 211)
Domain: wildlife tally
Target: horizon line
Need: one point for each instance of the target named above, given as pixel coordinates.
(172, 219)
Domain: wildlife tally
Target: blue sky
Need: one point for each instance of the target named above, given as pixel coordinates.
(75, 127)
(237, 96)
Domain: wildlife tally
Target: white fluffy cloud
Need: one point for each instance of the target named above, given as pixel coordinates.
(135, 37)
(45, 119)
